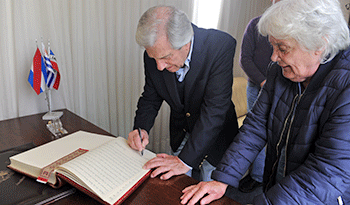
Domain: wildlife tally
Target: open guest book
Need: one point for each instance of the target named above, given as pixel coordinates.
(104, 167)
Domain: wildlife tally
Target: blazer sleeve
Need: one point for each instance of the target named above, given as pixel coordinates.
(149, 102)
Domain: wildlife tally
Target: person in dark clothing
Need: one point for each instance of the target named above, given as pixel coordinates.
(302, 114)
(254, 60)
(192, 70)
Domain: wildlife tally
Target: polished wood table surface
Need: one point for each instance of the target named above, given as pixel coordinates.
(32, 129)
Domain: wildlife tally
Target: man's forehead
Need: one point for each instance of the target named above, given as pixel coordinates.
(161, 49)
(157, 55)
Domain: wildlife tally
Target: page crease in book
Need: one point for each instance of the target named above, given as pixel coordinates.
(46, 172)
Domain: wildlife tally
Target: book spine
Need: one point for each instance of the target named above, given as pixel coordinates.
(56, 186)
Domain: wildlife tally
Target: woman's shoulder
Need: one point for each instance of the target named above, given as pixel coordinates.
(339, 77)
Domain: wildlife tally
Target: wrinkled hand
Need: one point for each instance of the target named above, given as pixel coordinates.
(134, 140)
(167, 164)
(194, 193)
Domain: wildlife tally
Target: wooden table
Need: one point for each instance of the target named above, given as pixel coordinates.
(23, 130)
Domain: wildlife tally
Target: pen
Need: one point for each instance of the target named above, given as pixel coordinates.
(141, 140)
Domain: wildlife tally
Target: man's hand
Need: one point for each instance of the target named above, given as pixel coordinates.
(134, 140)
(167, 164)
(194, 193)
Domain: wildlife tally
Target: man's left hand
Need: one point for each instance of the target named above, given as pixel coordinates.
(168, 164)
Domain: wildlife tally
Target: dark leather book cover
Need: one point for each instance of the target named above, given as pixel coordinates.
(19, 189)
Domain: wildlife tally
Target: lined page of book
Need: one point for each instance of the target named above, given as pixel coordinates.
(32, 161)
(110, 170)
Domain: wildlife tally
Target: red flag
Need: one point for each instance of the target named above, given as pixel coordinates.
(55, 67)
(36, 78)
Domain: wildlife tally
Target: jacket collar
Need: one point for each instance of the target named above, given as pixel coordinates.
(322, 72)
(195, 65)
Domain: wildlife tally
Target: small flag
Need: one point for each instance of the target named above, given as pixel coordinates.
(51, 73)
(37, 74)
(55, 67)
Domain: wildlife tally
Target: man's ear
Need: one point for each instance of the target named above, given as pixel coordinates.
(187, 46)
(319, 52)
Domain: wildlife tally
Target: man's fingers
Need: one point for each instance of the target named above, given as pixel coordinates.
(158, 165)
(153, 163)
(159, 171)
(167, 164)
(167, 175)
(161, 167)
(163, 155)
(145, 138)
(137, 142)
(144, 142)
(134, 140)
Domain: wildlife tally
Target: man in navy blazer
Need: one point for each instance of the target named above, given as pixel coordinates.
(192, 70)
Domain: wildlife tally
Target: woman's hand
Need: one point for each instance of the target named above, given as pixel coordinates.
(206, 192)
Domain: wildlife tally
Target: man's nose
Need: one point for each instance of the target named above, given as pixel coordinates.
(161, 64)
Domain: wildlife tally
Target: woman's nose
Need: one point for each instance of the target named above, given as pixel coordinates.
(274, 56)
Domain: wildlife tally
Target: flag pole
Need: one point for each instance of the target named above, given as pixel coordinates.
(48, 98)
(48, 93)
(50, 115)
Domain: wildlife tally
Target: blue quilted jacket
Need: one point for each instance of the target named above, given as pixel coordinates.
(313, 125)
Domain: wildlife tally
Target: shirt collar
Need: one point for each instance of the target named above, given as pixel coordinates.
(188, 60)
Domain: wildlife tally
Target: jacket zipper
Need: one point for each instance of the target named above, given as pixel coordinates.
(298, 96)
(287, 139)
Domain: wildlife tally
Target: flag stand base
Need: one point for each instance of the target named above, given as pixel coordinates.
(52, 115)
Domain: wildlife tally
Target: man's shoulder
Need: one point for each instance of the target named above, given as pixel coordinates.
(213, 38)
(211, 33)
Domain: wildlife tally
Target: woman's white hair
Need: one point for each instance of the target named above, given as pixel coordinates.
(314, 24)
(178, 28)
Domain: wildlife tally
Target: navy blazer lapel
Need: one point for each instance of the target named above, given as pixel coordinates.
(170, 84)
(195, 66)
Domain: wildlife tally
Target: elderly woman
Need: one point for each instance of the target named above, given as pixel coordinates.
(302, 113)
